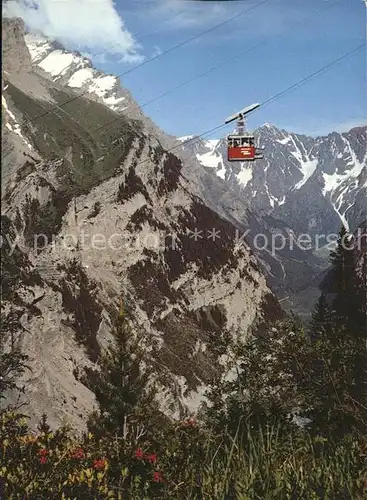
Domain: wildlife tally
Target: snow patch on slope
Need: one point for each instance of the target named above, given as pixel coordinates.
(331, 182)
(307, 170)
(212, 158)
(102, 84)
(284, 141)
(38, 46)
(222, 172)
(340, 187)
(307, 165)
(357, 166)
(15, 127)
(297, 153)
(245, 174)
(57, 62)
(113, 102)
(209, 159)
(80, 77)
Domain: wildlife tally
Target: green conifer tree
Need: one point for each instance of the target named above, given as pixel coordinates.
(348, 303)
(262, 390)
(336, 381)
(13, 363)
(121, 387)
(43, 425)
(349, 309)
(322, 321)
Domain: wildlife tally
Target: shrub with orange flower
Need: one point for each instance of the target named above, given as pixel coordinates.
(29, 439)
(157, 477)
(100, 464)
(151, 457)
(139, 454)
(78, 453)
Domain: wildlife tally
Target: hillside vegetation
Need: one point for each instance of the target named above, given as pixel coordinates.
(288, 424)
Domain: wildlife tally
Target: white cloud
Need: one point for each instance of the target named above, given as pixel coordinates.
(157, 51)
(93, 25)
(185, 14)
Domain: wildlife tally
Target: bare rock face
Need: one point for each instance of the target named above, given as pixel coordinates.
(91, 212)
(15, 55)
(305, 187)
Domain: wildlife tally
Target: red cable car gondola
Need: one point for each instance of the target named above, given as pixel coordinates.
(241, 144)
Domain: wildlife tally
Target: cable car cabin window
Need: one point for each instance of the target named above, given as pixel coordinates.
(247, 141)
(238, 142)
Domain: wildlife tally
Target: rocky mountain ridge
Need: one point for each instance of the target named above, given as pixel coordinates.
(75, 71)
(224, 196)
(312, 184)
(92, 212)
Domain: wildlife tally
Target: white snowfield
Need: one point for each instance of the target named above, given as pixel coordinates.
(80, 77)
(56, 63)
(77, 69)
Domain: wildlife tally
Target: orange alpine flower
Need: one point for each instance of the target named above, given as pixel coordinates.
(139, 454)
(100, 464)
(157, 477)
(151, 457)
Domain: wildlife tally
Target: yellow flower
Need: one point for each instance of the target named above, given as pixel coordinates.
(29, 439)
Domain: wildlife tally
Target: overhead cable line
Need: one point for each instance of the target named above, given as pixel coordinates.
(271, 99)
(301, 82)
(223, 63)
(316, 73)
(157, 56)
(139, 36)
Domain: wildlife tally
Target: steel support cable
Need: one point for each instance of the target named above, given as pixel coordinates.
(157, 56)
(282, 93)
(220, 65)
(271, 99)
(301, 82)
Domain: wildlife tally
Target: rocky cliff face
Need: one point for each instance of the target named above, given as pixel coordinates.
(92, 211)
(287, 269)
(302, 186)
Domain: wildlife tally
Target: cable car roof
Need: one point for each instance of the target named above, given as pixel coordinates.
(238, 136)
(243, 112)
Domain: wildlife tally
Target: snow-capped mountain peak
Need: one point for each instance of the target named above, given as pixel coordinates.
(324, 173)
(185, 138)
(76, 71)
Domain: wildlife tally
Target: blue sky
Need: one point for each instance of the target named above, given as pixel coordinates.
(330, 101)
(282, 55)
